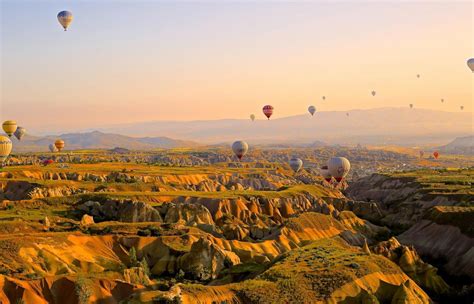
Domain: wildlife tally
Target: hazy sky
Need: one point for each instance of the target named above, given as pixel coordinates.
(128, 61)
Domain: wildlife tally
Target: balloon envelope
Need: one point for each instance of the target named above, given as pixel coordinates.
(252, 117)
(470, 64)
(373, 93)
(9, 126)
(312, 110)
(339, 167)
(240, 148)
(65, 19)
(296, 164)
(59, 144)
(20, 132)
(268, 111)
(411, 106)
(5, 148)
(436, 154)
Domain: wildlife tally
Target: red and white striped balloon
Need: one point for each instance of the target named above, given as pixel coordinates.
(268, 111)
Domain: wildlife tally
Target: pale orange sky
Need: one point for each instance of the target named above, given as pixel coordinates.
(132, 62)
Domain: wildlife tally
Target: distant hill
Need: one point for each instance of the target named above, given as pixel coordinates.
(389, 126)
(99, 140)
(460, 145)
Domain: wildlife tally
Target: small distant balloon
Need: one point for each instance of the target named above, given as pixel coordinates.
(20, 132)
(462, 108)
(411, 106)
(52, 148)
(470, 64)
(324, 97)
(373, 93)
(442, 100)
(268, 111)
(312, 110)
(436, 154)
(347, 114)
(65, 19)
(252, 117)
(296, 164)
(417, 75)
(59, 144)
(240, 148)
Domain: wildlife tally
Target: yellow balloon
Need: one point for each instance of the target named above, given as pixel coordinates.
(9, 127)
(59, 144)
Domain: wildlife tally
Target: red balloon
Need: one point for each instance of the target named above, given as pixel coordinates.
(47, 162)
(436, 154)
(268, 111)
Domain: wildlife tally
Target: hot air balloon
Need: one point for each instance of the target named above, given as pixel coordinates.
(311, 110)
(442, 100)
(411, 106)
(252, 117)
(417, 75)
(20, 131)
(9, 127)
(296, 164)
(240, 148)
(422, 154)
(268, 111)
(436, 154)
(373, 93)
(461, 107)
(347, 114)
(339, 167)
(47, 162)
(59, 144)
(5, 149)
(325, 173)
(52, 148)
(470, 64)
(65, 19)
(324, 97)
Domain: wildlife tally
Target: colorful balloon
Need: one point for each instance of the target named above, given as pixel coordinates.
(324, 97)
(59, 144)
(461, 107)
(240, 148)
(5, 149)
(296, 164)
(65, 19)
(339, 167)
(20, 132)
(268, 111)
(373, 93)
(411, 106)
(9, 127)
(252, 117)
(442, 100)
(417, 75)
(312, 110)
(436, 154)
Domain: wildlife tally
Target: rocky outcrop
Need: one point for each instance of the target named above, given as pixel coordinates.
(410, 262)
(205, 260)
(442, 242)
(121, 210)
